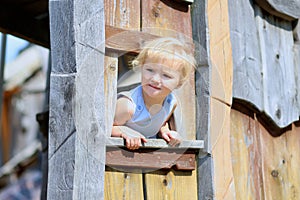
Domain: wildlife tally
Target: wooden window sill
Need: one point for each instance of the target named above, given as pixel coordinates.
(155, 154)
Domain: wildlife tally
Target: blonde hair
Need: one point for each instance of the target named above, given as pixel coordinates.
(167, 48)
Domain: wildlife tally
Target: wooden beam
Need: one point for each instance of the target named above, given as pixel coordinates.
(125, 41)
(203, 89)
(155, 154)
(76, 128)
(14, 22)
(149, 159)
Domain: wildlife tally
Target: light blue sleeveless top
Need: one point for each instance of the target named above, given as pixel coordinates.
(142, 121)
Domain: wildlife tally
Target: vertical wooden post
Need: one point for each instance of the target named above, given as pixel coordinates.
(203, 91)
(76, 128)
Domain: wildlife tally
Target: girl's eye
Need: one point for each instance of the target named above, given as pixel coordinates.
(167, 76)
(149, 69)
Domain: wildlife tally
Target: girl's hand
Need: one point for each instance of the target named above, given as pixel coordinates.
(133, 142)
(133, 138)
(172, 137)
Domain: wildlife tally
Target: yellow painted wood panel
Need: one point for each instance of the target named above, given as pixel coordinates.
(246, 158)
(280, 162)
(171, 185)
(220, 50)
(220, 132)
(125, 186)
(264, 167)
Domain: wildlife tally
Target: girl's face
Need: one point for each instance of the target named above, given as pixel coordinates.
(159, 79)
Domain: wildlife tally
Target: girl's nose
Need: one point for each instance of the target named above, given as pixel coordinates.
(156, 77)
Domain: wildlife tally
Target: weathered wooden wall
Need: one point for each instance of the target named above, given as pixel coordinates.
(221, 97)
(263, 137)
(266, 70)
(264, 167)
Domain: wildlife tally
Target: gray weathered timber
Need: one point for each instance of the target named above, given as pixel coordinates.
(264, 63)
(276, 48)
(77, 127)
(286, 9)
(247, 77)
(203, 89)
(158, 144)
(61, 152)
(297, 59)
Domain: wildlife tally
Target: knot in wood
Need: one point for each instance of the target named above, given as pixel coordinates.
(275, 173)
(112, 67)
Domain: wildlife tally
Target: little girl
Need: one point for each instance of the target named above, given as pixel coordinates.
(144, 111)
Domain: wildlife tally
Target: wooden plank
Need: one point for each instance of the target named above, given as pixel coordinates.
(76, 155)
(255, 71)
(110, 85)
(123, 41)
(123, 185)
(172, 184)
(221, 150)
(219, 39)
(260, 170)
(202, 89)
(286, 9)
(278, 64)
(247, 81)
(279, 168)
(153, 159)
(296, 49)
(246, 156)
(158, 143)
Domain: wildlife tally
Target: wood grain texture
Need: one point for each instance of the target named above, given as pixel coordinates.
(120, 185)
(296, 50)
(203, 91)
(171, 185)
(264, 167)
(220, 51)
(247, 80)
(110, 85)
(278, 68)
(61, 152)
(286, 9)
(123, 14)
(196, 145)
(265, 64)
(77, 142)
(153, 159)
(220, 141)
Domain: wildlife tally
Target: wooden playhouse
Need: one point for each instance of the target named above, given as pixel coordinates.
(241, 107)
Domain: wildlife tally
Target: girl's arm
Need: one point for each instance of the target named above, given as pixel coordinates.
(124, 112)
